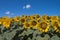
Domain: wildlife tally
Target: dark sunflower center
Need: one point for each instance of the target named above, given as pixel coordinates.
(43, 25)
(22, 20)
(48, 17)
(34, 23)
(33, 17)
(17, 18)
(43, 17)
(37, 16)
(27, 25)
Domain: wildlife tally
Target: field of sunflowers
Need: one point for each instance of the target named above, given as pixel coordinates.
(33, 27)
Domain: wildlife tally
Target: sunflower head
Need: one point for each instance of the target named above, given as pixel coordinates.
(6, 24)
(48, 19)
(16, 18)
(22, 20)
(33, 23)
(26, 25)
(39, 20)
(4, 17)
(59, 24)
(0, 21)
(22, 16)
(56, 26)
(44, 17)
(37, 16)
(54, 18)
(28, 19)
(43, 26)
(32, 17)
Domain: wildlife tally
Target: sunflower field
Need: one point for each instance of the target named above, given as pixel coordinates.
(33, 27)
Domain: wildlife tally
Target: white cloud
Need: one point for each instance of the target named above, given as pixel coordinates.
(8, 12)
(27, 6)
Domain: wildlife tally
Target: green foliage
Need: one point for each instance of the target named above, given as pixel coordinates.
(17, 32)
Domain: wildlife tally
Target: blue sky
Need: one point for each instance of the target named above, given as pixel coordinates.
(29, 7)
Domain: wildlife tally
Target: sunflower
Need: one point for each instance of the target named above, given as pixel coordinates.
(44, 17)
(54, 18)
(26, 25)
(39, 20)
(37, 16)
(43, 26)
(32, 17)
(28, 19)
(16, 18)
(33, 23)
(59, 24)
(48, 19)
(4, 17)
(56, 26)
(22, 20)
(6, 24)
(22, 16)
(0, 21)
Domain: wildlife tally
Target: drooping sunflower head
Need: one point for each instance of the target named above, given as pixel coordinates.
(26, 25)
(43, 26)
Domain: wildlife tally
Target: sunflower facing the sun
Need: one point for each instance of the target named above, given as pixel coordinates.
(6, 23)
(33, 24)
(16, 18)
(27, 25)
(43, 26)
(54, 18)
(41, 23)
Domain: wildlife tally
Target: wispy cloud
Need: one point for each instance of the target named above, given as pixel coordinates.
(27, 6)
(7, 12)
